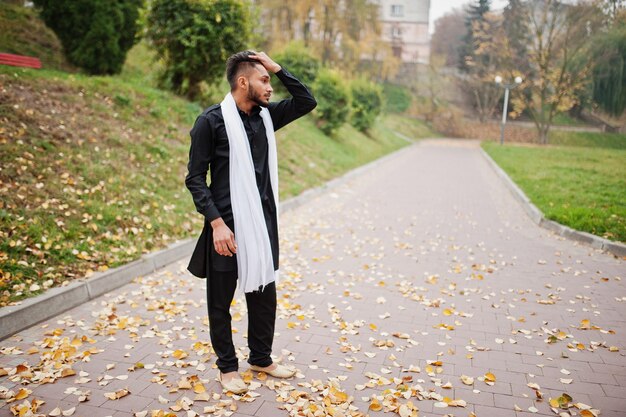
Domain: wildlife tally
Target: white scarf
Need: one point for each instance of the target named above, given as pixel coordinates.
(255, 263)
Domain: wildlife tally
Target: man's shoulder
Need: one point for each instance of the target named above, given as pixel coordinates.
(213, 111)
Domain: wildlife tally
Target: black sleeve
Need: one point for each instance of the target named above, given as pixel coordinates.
(300, 103)
(200, 153)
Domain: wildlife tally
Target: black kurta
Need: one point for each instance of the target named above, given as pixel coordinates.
(210, 151)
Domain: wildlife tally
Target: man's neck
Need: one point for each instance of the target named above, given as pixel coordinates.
(243, 103)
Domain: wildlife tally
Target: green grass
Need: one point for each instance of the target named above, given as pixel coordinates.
(580, 187)
(564, 119)
(588, 139)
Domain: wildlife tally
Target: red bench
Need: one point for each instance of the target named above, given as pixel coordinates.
(20, 61)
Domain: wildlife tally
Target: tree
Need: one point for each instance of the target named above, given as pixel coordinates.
(447, 39)
(195, 38)
(286, 20)
(491, 56)
(475, 14)
(359, 30)
(434, 85)
(517, 33)
(339, 33)
(96, 35)
(609, 64)
(612, 7)
(560, 37)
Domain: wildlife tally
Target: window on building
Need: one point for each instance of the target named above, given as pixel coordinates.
(397, 10)
(396, 32)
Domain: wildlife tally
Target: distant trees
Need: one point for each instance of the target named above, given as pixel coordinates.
(517, 32)
(434, 85)
(609, 64)
(195, 38)
(558, 58)
(570, 55)
(96, 35)
(491, 55)
(484, 52)
(339, 33)
(448, 36)
(475, 15)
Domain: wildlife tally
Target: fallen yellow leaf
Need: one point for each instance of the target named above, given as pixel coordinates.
(375, 405)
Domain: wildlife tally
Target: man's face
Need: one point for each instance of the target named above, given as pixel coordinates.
(259, 88)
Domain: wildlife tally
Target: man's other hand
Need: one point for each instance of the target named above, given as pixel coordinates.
(223, 238)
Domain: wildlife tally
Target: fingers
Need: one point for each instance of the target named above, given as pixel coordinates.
(226, 246)
(266, 61)
(232, 246)
(222, 248)
(260, 56)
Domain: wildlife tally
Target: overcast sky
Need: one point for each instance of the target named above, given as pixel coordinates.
(440, 7)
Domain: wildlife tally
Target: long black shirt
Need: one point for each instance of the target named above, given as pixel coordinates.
(210, 152)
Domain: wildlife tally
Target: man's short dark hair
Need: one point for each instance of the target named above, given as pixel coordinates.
(236, 63)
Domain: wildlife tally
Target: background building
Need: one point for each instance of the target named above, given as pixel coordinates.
(405, 27)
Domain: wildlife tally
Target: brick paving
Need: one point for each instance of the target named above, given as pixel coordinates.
(429, 246)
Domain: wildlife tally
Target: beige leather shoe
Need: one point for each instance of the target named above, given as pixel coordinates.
(280, 371)
(235, 385)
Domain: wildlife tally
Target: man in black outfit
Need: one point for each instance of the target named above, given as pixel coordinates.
(215, 254)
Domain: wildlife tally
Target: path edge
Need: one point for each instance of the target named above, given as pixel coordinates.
(615, 248)
(55, 301)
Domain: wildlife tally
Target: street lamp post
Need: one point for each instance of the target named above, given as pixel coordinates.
(507, 88)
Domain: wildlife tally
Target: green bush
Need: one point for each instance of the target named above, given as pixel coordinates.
(298, 60)
(333, 101)
(195, 38)
(366, 103)
(96, 35)
(397, 98)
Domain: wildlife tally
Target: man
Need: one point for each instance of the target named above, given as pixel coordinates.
(239, 241)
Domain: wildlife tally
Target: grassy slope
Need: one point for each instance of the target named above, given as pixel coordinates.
(92, 175)
(309, 158)
(92, 169)
(580, 187)
(23, 33)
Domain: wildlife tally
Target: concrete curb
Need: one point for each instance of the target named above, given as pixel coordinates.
(596, 242)
(57, 300)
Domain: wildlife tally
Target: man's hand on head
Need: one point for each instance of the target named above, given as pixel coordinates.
(266, 61)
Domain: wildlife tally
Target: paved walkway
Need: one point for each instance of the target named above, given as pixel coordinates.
(418, 285)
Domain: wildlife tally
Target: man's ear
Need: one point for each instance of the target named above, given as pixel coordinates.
(242, 82)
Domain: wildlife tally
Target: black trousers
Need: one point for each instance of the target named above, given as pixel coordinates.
(261, 320)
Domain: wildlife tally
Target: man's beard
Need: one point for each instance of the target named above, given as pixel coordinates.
(257, 98)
